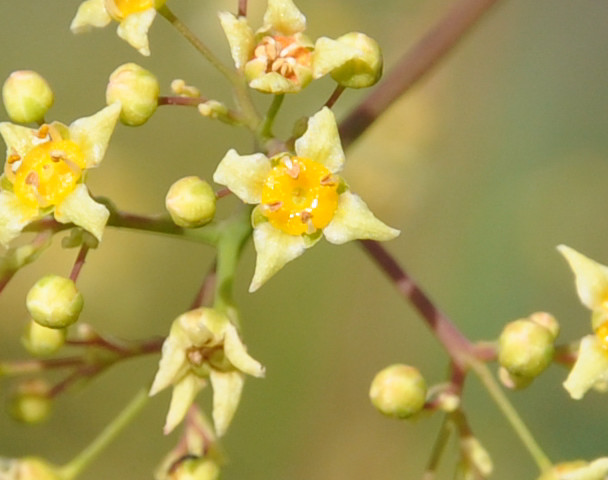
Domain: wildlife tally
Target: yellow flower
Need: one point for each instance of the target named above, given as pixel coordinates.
(134, 17)
(279, 58)
(591, 367)
(44, 173)
(300, 198)
(578, 470)
(203, 343)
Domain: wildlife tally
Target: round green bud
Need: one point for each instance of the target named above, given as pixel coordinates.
(196, 469)
(191, 202)
(525, 348)
(30, 403)
(137, 90)
(546, 320)
(27, 96)
(41, 341)
(514, 382)
(398, 391)
(364, 70)
(54, 302)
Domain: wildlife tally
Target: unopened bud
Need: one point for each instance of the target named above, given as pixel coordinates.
(191, 202)
(41, 341)
(365, 69)
(514, 382)
(398, 391)
(27, 96)
(30, 403)
(137, 90)
(525, 348)
(546, 320)
(54, 302)
(195, 469)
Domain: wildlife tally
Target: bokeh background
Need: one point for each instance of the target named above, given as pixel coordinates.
(494, 159)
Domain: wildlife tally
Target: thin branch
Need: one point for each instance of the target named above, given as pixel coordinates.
(242, 8)
(82, 255)
(456, 344)
(334, 96)
(432, 48)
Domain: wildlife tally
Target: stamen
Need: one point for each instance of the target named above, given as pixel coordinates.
(195, 356)
(54, 133)
(272, 207)
(329, 181)
(72, 166)
(33, 179)
(12, 158)
(56, 155)
(306, 218)
(293, 169)
(43, 131)
(8, 171)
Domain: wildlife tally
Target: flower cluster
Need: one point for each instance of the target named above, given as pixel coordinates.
(45, 169)
(300, 197)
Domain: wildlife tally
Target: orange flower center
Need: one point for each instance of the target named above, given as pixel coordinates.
(282, 55)
(120, 9)
(299, 195)
(48, 173)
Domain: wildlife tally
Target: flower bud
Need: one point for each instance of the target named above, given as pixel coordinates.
(546, 320)
(39, 340)
(525, 348)
(28, 468)
(30, 403)
(191, 202)
(137, 90)
(514, 382)
(27, 96)
(398, 391)
(54, 302)
(196, 469)
(577, 470)
(366, 68)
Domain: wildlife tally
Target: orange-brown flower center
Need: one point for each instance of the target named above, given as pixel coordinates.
(282, 55)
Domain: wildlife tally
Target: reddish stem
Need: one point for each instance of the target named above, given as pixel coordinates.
(242, 8)
(334, 96)
(414, 65)
(82, 255)
(457, 345)
(184, 101)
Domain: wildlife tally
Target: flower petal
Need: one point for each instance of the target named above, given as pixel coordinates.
(237, 353)
(272, 82)
(172, 365)
(14, 216)
(18, 139)
(591, 277)
(244, 175)
(182, 397)
(92, 134)
(240, 37)
(227, 388)
(591, 368)
(596, 470)
(91, 13)
(80, 209)
(330, 54)
(284, 17)
(354, 220)
(134, 29)
(321, 141)
(274, 249)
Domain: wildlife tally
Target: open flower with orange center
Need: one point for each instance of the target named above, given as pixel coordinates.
(299, 198)
(134, 17)
(591, 367)
(44, 173)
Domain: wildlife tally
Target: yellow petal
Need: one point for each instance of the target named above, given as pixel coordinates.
(321, 141)
(240, 37)
(134, 30)
(591, 278)
(237, 353)
(354, 220)
(274, 249)
(182, 397)
(14, 216)
(19, 140)
(244, 175)
(80, 209)
(591, 368)
(284, 17)
(92, 134)
(227, 388)
(91, 13)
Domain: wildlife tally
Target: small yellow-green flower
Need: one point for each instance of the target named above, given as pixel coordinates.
(134, 17)
(279, 58)
(204, 344)
(45, 169)
(578, 470)
(300, 198)
(591, 367)
(28, 468)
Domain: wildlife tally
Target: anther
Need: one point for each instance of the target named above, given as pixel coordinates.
(57, 155)
(12, 158)
(293, 169)
(43, 131)
(195, 356)
(329, 181)
(32, 179)
(272, 207)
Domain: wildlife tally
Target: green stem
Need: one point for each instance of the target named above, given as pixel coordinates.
(511, 414)
(438, 449)
(266, 128)
(234, 234)
(250, 116)
(105, 438)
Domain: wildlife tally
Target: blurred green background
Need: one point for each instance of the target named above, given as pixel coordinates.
(489, 163)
